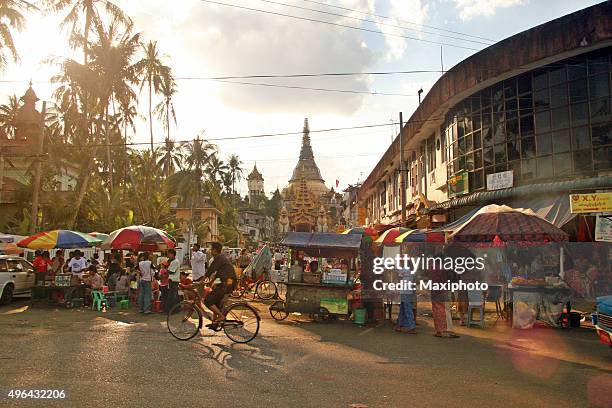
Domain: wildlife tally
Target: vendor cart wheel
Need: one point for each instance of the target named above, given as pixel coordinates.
(281, 290)
(278, 310)
(265, 290)
(323, 315)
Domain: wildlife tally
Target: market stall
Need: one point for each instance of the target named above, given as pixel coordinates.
(61, 287)
(321, 287)
(533, 294)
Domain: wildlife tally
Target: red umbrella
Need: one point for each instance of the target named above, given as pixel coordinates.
(508, 225)
(139, 238)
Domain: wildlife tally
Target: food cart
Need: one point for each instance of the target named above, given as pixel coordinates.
(319, 295)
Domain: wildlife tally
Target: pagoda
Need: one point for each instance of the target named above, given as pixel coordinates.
(306, 197)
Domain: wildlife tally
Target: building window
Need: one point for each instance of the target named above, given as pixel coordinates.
(555, 121)
(431, 153)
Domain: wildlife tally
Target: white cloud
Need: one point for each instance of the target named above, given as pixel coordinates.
(471, 8)
(209, 39)
(403, 12)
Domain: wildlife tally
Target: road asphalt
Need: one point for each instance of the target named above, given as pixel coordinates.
(124, 359)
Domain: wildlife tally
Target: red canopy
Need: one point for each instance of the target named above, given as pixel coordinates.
(508, 226)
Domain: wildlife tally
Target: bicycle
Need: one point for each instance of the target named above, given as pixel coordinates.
(265, 289)
(186, 319)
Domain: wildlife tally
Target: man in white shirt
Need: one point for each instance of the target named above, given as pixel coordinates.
(77, 265)
(174, 275)
(146, 276)
(198, 263)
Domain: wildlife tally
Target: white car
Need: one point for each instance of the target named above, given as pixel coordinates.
(16, 277)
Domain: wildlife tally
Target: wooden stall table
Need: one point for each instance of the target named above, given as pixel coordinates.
(531, 303)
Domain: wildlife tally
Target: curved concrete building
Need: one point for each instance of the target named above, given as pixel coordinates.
(532, 114)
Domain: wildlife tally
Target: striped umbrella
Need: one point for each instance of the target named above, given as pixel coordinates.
(411, 236)
(388, 237)
(139, 238)
(64, 239)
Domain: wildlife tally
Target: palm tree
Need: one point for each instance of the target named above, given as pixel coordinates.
(190, 181)
(153, 72)
(111, 59)
(171, 158)
(235, 170)
(11, 18)
(8, 113)
(84, 16)
(165, 109)
(226, 182)
(216, 168)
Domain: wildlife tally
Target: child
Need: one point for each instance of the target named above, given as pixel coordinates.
(164, 280)
(186, 282)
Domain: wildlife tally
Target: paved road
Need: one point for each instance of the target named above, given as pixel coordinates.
(124, 359)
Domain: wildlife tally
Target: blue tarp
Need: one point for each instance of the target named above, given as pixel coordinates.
(323, 244)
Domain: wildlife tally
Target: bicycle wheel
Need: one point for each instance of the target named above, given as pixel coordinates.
(277, 310)
(265, 290)
(184, 320)
(241, 323)
(281, 290)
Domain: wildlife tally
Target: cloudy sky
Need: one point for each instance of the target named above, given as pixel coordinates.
(204, 39)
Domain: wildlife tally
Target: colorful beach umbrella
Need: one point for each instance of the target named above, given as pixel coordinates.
(388, 237)
(64, 239)
(139, 238)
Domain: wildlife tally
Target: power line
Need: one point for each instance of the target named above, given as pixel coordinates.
(314, 89)
(410, 121)
(337, 24)
(375, 22)
(404, 21)
(324, 74)
(230, 138)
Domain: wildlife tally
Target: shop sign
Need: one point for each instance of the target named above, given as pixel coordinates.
(497, 181)
(361, 214)
(591, 203)
(458, 184)
(603, 228)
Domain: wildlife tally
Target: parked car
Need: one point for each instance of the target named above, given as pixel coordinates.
(603, 319)
(16, 277)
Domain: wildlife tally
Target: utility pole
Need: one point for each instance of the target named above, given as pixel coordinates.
(402, 169)
(38, 172)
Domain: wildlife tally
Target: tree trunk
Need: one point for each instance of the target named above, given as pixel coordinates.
(108, 153)
(82, 191)
(151, 114)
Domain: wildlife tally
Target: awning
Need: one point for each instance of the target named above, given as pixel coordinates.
(504, 195)
(324, 244)
(554, 209)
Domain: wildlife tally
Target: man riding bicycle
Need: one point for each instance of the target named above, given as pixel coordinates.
(222, 269)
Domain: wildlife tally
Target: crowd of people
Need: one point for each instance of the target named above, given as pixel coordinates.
(143, 276)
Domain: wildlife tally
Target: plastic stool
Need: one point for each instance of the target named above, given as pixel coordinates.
(124, 304)
(476, 301)
(360, 316)
(98, 299)
(76, 302)
(156, 306)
